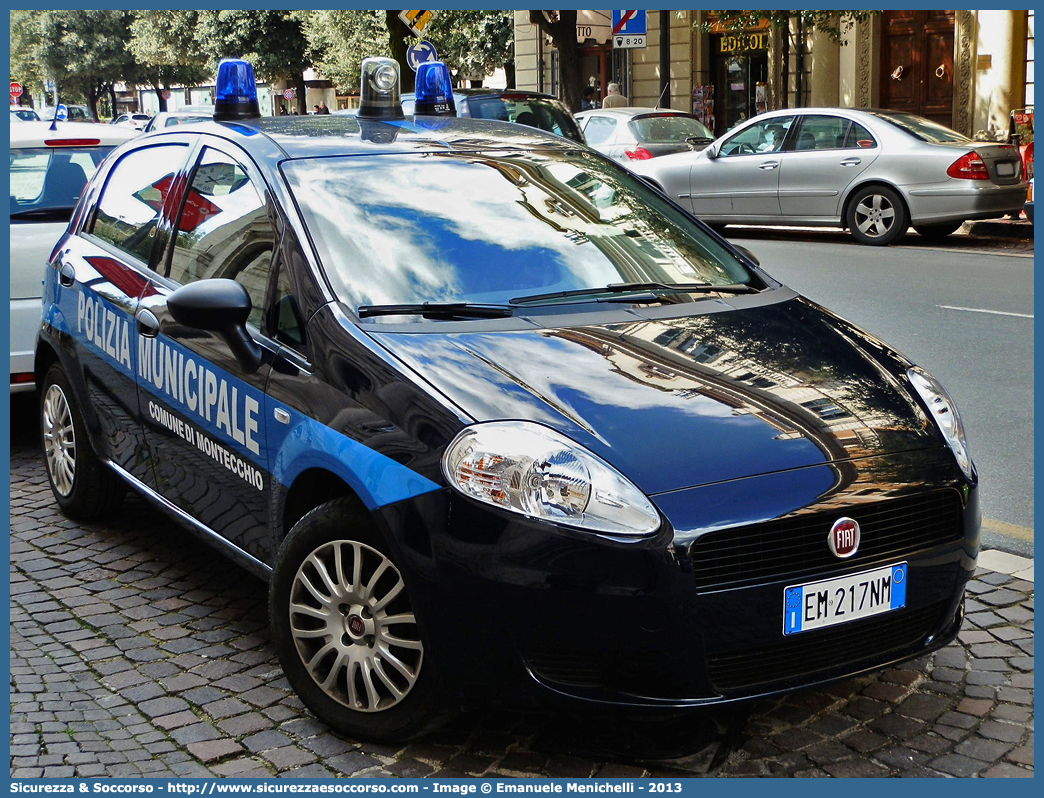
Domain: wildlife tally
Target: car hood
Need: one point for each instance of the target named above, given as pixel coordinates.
(690, 400)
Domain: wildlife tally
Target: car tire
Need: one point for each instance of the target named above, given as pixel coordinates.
(83, 485)
(936, 232)
(316, 606)
(877, 216)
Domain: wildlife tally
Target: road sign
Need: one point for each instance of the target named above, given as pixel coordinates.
(61, 113)
(16, 89)
(420, 52)
(288, 94)
(629, 29)
(416, 21)
(166, 94)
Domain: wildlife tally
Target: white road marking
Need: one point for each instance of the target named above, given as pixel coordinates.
(983, 310)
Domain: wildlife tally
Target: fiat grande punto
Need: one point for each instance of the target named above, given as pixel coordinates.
(495, 419)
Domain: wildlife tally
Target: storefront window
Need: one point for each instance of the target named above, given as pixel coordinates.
(740, 69)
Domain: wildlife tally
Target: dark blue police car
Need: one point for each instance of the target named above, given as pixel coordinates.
(498, 421)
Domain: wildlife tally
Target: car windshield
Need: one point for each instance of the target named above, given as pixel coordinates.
(921, 128)
(490, 227)
(46, 183)
(668, 128)
(539, 112)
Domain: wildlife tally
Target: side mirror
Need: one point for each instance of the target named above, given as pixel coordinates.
(711, 152)
(221, 306)
(747, 254)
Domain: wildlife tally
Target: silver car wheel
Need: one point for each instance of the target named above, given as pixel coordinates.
(359, 652)
(59, 438)
(874, 215)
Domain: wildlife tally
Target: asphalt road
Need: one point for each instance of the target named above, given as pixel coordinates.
(966, 317)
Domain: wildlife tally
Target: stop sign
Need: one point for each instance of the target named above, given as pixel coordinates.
(16, 89)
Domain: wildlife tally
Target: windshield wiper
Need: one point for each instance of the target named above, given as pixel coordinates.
(438, 310)
(625, 288)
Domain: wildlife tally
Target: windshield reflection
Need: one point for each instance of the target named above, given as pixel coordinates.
(442, 227)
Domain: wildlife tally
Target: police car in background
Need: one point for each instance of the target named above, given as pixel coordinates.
(50, 163)
(497, 421)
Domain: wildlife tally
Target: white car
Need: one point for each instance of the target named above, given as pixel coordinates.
(49, 170)
(132, 121)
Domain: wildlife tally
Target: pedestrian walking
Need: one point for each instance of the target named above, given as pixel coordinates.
(614, 99)
(323, 109)
(588, 101)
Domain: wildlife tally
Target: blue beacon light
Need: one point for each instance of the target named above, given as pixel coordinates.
(434, 90)
(235, 91)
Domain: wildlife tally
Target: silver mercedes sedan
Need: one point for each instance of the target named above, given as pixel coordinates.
(873, 172)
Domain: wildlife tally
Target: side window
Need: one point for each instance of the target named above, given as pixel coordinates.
(821, 133)
(224, 230)
(761, 137)
(133, 198)
(599, 129)
(859, 136)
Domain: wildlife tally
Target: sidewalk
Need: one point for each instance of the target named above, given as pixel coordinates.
(135, 651)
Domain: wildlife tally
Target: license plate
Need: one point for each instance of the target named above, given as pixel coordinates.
(846, 598)
(1005, 168)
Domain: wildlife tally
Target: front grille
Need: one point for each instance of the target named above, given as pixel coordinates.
(850, 647)
(795, 549)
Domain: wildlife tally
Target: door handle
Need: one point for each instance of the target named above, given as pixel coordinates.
(66, 274)
(851, 162)
(148, 324)
(768, 165)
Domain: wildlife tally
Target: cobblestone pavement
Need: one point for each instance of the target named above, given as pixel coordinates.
(137, 651)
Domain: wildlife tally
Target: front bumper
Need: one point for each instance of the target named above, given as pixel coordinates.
(529, 615)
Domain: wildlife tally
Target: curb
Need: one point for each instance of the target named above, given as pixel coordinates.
(1018, 229)
(1004, 563)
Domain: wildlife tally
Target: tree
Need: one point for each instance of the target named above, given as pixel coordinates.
(274, 42)
(474, 43)
(836, 24)
(165, 47)
(561, 27)
(25, 48)
(339, 40)
(85, 52)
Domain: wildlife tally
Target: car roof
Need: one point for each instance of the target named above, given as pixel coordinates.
(329, 134)
(631, 110)
(482, 92)
(34, 134)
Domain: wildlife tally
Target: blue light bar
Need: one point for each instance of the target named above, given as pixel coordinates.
(235, 91)
(434, 90)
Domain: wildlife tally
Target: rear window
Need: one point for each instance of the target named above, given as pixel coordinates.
(539, 112)
(668, 129)
(46, 183)
(921, 128)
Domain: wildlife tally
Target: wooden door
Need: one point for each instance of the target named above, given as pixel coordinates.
(917, 63)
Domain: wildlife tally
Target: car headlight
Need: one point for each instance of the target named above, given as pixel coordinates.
(944, 411)
(537, 472)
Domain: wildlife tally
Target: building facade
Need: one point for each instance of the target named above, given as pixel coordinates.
(965, 69)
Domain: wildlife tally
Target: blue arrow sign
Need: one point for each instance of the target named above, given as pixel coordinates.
(419, 53)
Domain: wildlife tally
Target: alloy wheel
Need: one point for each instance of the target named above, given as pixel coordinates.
(353, 626)
(59, 438)
(874, 215)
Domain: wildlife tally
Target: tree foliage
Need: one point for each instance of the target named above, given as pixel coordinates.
(340, 39)
(168, 53)
(274, 42)
(474, 43)
(836, 24)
